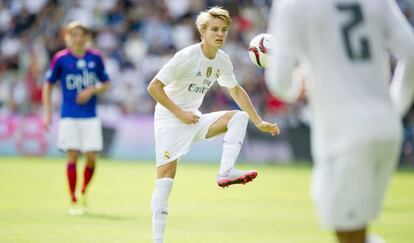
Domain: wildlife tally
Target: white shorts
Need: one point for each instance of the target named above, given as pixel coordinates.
(173, 138)
(82, 134)
(348, 190)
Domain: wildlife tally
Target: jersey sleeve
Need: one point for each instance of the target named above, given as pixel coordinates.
(54, 72)
(285, 27)
(400, 40)
(227, 78)
(174, 69)
(101, 71)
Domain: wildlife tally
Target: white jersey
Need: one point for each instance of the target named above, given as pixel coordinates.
(190, 74)
(344, 43)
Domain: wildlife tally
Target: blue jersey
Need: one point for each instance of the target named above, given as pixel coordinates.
(76, 74)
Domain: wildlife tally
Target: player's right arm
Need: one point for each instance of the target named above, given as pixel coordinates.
(156, 90)
(46, 93)
(400, 40)
(173, 70)
(52, 76)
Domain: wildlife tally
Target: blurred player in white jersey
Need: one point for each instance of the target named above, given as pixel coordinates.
(357, 129)
(179, 88)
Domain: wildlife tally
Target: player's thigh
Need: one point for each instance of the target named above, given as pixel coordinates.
(167, 170)
(345, 188)
(384, 171)
(173, 139)
(91, 135)
(69, 134)
(213, 124)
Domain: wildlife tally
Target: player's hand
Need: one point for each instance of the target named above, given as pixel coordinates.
(268, 127)
(188, 117)
(84, 96)
(47, 120)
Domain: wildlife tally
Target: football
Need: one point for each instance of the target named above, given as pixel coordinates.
(259, 49)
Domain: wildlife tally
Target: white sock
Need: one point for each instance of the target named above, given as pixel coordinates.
(233, 139)
(159, 207)
(373, 238)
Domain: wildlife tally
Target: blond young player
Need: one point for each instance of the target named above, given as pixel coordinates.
(356, 128)
(179, 88)
(82, 76)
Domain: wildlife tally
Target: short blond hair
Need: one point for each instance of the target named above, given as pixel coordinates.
(75, 25)
(214, 12)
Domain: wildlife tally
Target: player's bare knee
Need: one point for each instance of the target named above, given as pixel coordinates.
(72, 156)
(91, 158)
(168, 170)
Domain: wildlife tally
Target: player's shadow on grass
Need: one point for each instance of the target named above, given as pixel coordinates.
(107, 216)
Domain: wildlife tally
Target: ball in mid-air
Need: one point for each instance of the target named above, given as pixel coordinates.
(259, 49)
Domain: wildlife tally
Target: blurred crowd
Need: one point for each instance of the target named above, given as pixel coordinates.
(136, 37)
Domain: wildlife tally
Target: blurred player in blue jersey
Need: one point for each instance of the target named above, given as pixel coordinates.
(82, 77)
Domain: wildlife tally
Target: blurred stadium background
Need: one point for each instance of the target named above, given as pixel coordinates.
(136, 39)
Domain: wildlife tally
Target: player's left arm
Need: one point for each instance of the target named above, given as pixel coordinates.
(100, 87)
(242, 99)
(400, 40)
(86, 94)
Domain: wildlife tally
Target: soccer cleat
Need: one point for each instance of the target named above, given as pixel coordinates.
(76, 209)
(234, 176)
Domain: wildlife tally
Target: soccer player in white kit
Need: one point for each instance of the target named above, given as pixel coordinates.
(179, 88)
(356, 126)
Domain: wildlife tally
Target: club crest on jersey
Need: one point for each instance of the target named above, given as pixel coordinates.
(167, 155)
(91, 64)
(80, 64)
(208, 73)
(218, 73)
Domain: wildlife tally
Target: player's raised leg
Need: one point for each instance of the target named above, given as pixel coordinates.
(234, 124)
(159, 202)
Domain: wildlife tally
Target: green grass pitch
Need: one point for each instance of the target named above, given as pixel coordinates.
(276, 207)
